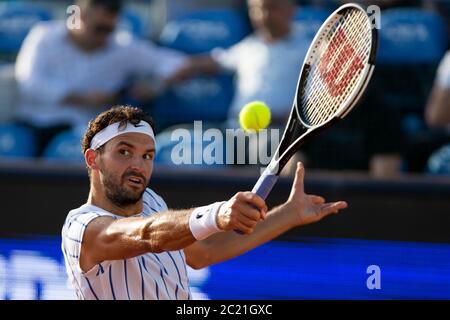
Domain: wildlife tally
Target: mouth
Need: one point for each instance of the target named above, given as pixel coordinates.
(136, 182)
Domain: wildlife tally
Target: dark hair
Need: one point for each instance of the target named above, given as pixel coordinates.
(113, 6)
(122, 114)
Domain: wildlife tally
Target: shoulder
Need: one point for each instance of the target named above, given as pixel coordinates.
(248, 45)
(48, 31)
(154, 201)
(83, 215)
(124, 39)
(247, 42)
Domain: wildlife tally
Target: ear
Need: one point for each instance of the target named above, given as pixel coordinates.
(90, 156)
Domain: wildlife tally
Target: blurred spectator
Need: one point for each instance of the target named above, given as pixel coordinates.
(442, 7)
(437, 115)
(267, 62)
(66, 76)
(177, 8)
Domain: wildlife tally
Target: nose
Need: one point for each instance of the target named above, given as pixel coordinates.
(138, 165)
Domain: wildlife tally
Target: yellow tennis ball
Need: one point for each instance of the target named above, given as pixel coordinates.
(254, 116)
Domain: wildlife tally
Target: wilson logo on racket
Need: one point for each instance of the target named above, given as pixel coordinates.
(333, 78)
(335, 68)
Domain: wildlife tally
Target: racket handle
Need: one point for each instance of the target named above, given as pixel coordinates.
(263, 187)
(265, 184)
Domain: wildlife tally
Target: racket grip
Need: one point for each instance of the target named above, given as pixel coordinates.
(263, 187)
(265, 184)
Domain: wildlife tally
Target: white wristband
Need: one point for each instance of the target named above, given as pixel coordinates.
(202, 221)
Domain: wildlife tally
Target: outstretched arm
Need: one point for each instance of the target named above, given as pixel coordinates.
(109, 239)
(300, 209)
(197, 65)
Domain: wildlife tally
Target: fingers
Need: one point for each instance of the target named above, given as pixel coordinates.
(334, 207)
(244, 229)
(253, 200)
(248, 216)
(243, 212)
(298, 185)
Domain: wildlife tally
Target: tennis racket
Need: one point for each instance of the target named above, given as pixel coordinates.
(335, 73)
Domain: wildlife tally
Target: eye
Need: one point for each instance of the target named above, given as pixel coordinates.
(149, 156)
(125, 153)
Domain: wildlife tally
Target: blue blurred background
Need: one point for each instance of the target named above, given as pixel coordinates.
(400, 212)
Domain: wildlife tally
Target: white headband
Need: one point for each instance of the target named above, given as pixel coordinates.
(113, 131)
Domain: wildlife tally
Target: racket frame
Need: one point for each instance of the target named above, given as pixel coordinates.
(279, 161)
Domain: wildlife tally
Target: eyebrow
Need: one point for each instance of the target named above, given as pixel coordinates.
(132, 146)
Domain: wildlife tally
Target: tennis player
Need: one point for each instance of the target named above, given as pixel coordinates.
(125, 243)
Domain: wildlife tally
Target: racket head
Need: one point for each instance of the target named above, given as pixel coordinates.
(337, 67)
(331, 88)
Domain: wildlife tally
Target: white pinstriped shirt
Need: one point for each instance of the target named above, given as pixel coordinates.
(49, 67)
(150, 276)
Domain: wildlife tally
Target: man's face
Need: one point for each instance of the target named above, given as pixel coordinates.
(98, 23)
(126, 165)
(271, 15)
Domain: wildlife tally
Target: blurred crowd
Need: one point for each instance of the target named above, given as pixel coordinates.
(204, 60)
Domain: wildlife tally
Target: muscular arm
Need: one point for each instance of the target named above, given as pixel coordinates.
(109, 239)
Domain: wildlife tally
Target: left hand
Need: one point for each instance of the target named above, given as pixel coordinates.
(309, 208)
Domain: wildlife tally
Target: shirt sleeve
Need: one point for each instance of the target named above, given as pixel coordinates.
(74, 232)
(33, 68)
(159, 61)
(154, 202)
(227, 58)
(443, 73)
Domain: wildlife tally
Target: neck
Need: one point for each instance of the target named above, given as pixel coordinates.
(274, 36)
(76, 38)
(99, 199)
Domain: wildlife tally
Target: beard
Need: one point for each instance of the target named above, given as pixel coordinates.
(117, 192)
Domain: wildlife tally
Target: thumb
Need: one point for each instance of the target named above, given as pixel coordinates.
(298, 185)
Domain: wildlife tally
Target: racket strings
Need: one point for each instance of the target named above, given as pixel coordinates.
(341, 61)
(337, 35)
(343, 49)
(346, 62)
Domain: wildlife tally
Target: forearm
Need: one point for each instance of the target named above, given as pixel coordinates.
(224, 246)
(199, 65)
(205, 65)
(169, 231)
(130, 237)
